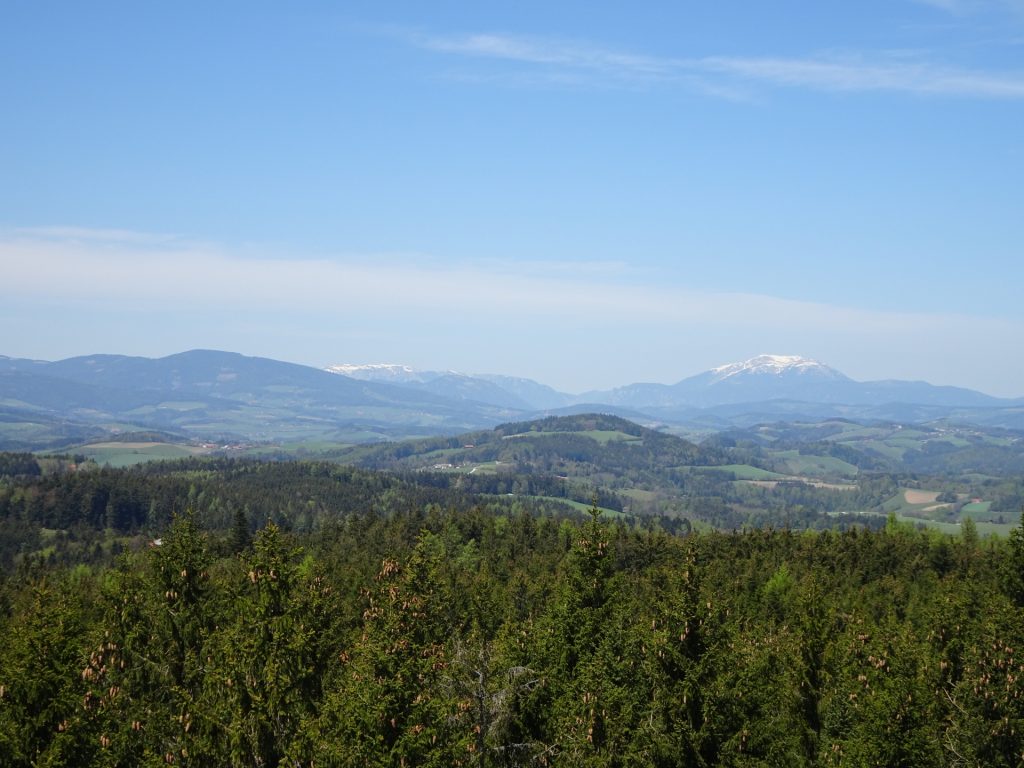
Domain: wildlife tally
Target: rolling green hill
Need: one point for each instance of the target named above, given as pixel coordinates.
(939, 448)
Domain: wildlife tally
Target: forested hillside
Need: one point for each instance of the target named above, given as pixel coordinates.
(72, 515)
(380, 622)
(800, 474)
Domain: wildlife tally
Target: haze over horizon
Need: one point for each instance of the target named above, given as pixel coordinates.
(585, 196)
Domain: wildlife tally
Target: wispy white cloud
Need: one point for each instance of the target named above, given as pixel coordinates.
(951, 6)
(918, 77)
(579, 62)
(964, 7)
(558, 53)
(86, 234)
(98, 268)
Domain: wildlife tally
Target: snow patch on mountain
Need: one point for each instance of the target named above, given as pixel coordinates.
(775, 365)
(386, 369)
(386, 372)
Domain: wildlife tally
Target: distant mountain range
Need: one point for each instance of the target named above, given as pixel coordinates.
(219, 396)
(224, 396)
(504, 391)
(760, 379)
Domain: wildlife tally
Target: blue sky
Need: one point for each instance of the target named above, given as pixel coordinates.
(584, 193)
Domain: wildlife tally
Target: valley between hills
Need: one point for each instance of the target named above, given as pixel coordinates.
(773, 441)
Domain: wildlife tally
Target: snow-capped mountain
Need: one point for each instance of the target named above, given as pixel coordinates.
(495, 389)
(777, 365)
(385, 372)
(760, 379)
(502, 391)
(765, 377)
(782, 377)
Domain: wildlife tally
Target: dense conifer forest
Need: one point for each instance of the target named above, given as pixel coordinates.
(305, 614)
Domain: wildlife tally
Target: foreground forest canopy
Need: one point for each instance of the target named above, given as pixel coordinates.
(300, 614)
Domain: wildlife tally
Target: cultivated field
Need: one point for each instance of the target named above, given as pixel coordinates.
(126, 454)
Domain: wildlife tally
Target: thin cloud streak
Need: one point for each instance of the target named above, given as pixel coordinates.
(549, 52)
(720, 74)
(911, 77)
(964, 7)
(950, 6)
(92, 270)
(86, 234)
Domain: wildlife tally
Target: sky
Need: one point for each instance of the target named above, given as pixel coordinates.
(587, 194)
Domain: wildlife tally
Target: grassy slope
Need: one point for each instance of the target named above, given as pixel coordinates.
(128, 454)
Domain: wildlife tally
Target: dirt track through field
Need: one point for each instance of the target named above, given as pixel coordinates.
(920, 497)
